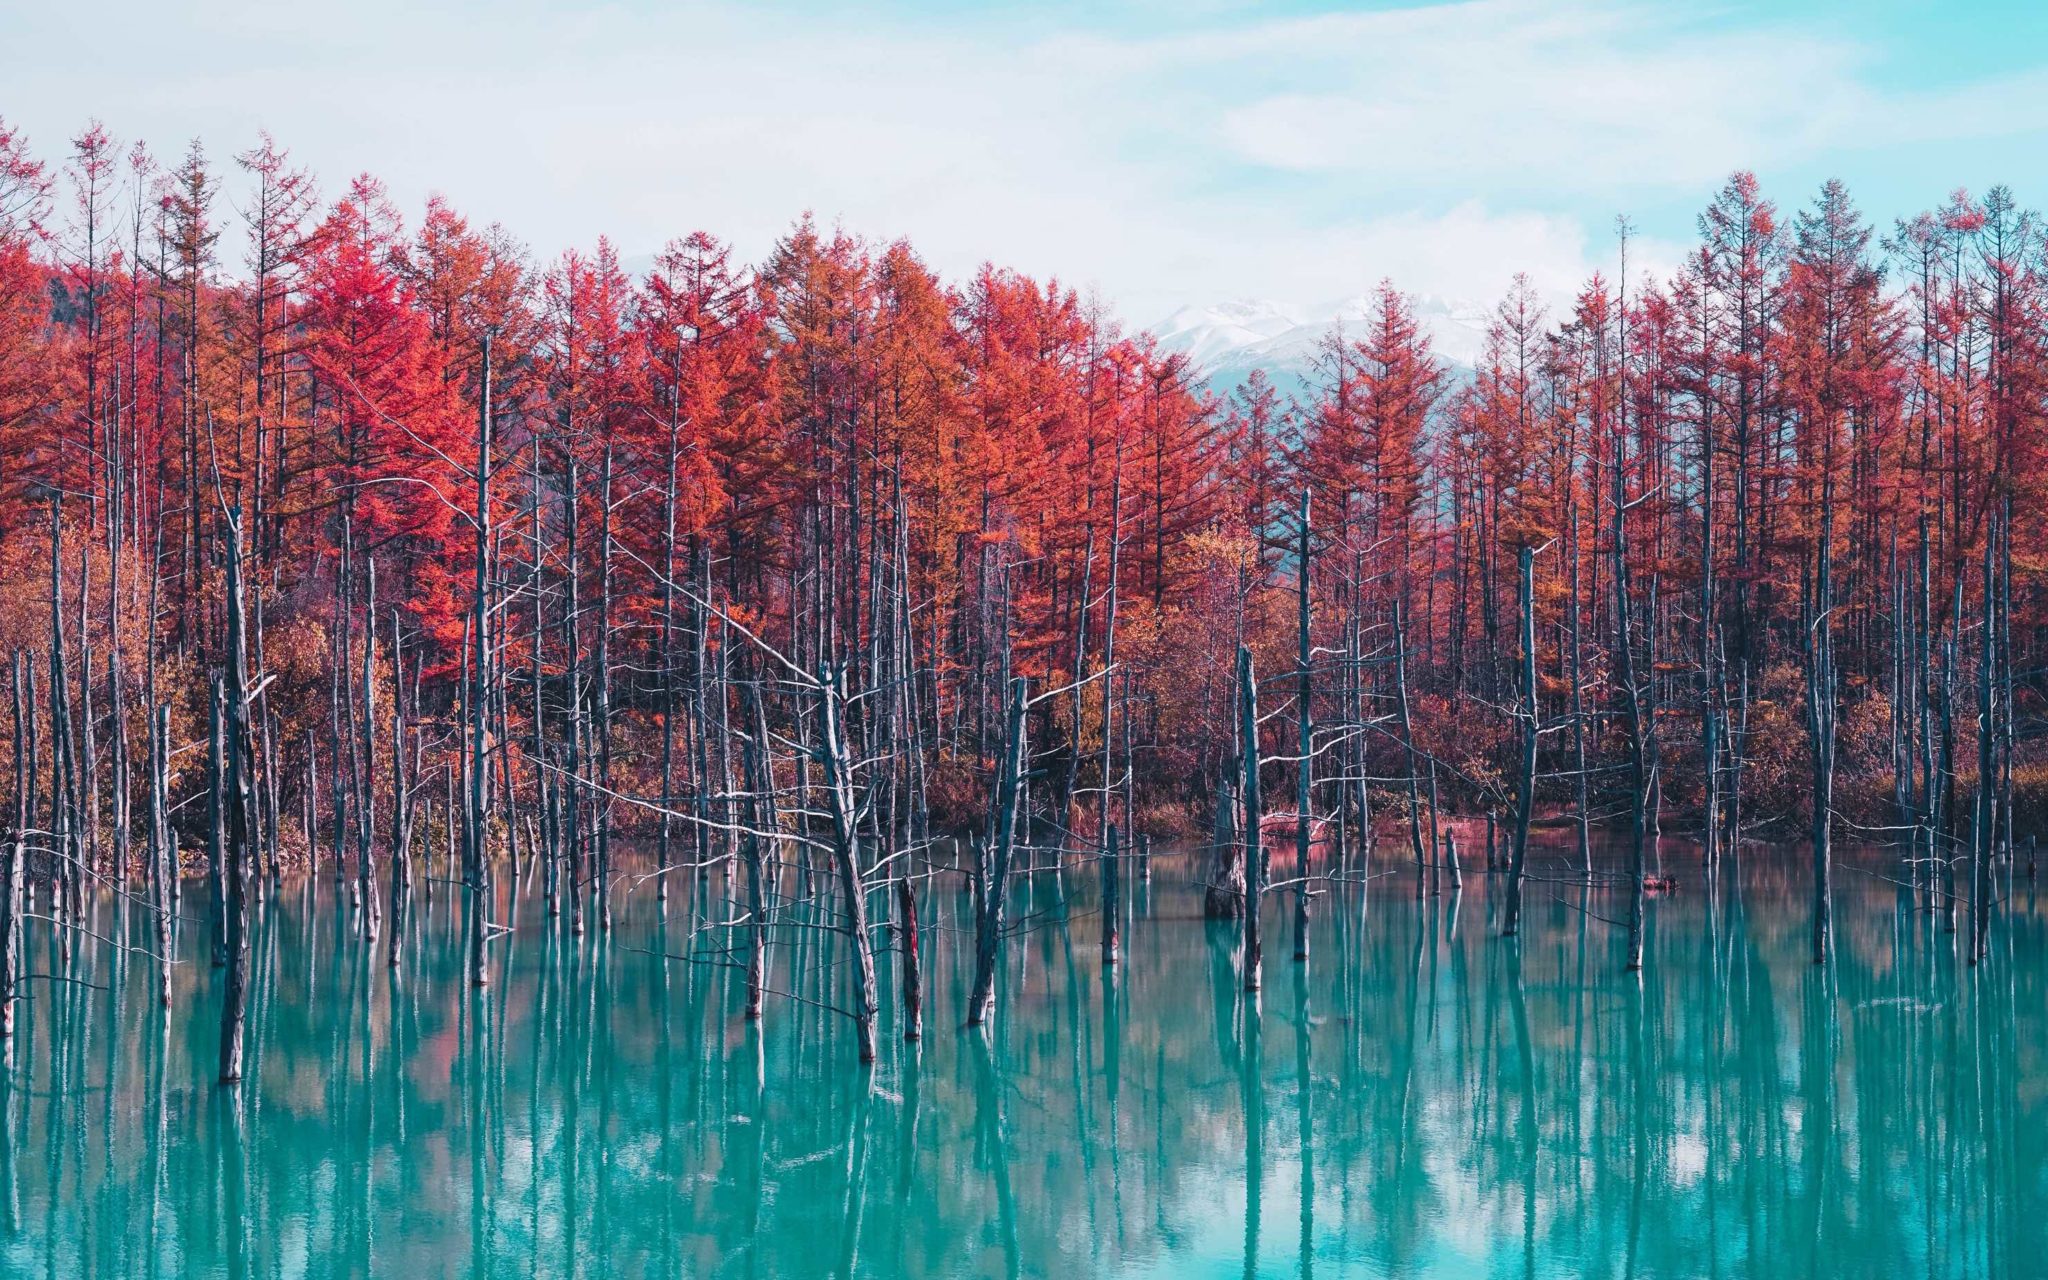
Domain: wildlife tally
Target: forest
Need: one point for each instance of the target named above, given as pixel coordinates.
(340, 541)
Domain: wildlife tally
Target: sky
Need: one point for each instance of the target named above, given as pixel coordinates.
(1155, 153)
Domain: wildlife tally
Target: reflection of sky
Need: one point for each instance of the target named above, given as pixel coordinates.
(1455, 1113)
(1165, 153)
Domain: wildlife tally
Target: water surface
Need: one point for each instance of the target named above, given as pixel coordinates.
(1421, 1098)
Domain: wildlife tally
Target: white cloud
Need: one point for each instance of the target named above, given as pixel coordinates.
(1591, 94)
(1300, 158)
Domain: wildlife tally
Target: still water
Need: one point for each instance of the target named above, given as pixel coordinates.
(1422, 1098)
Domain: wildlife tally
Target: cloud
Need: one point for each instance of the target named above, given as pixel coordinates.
(1592, 94)
(1186, 156)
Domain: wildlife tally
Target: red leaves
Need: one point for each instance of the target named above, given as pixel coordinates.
(392, 444)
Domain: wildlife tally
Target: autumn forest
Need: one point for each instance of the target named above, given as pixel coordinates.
(345, 538)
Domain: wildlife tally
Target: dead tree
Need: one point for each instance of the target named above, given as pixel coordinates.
(1985, 817)
(13, 857)
(1525, 793)
(760, 775)
(1223, 899)
(1112, 900)
(846, 820)
(1254, 814)
(216, 819)
(1821, 710)
(1422, 864)
(473, 811)
(236, 783)
(1633, 717)
(366, 774)
(910, 962)
(404, 778)
(67, 844)
(996, 854)
(163, 848)
(1305, 768)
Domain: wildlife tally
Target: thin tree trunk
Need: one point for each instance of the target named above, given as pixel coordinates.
(995, 861)
(474, 811)
(13, 857)
(1305, 769)
(1112, 900)
(1525, 793)
(238, 801)
(1254, 815)
(846, 859)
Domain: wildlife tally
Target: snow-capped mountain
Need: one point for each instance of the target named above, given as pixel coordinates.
(1228, 340)
(1210, 333)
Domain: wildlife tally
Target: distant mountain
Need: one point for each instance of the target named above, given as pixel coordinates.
(1211, 333)
(1227, 340)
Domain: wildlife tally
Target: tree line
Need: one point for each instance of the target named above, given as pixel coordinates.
(390, 552)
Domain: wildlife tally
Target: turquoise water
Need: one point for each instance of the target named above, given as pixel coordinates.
(1423, 1098)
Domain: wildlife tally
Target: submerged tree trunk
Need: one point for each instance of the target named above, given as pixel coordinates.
(14, 857)
(1305, 725)
(473, 812)
(237, 800)
(1820, 720)
(1633, 717)
(163, 848)
(66, 827)
(997, 852)
(911, 961)
(216, 819)
(1986, 816)
(404, 778)
(1254, 815)
(1112, 900)
(1223, 897)
(760, 782)
(832, 759)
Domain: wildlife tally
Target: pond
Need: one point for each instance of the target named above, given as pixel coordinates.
(1421, 1098)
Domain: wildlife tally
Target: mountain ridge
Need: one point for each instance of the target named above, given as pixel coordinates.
(1227, 340)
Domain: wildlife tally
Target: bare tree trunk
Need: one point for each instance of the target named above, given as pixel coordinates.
(216, 820)
(1116, 543)
(1632, 708)
(1525, 794)
(1821, 716)
(474, 811)
(163, 855)
(760, 782)
(602, 800)
(910, 961)
(120, 815)
(1986, 816)
(403, 781)
(546, 786)
(66, 831)
(1305, 769)
(1580, 777)
(1224, 897)
(1422, 864)
(238, 802)
(995, 861)
(1072, 778)
(13, 857)
(366, 796)
(1112, 900)
(846, 859)
(1711, 693)
(1254, 814)
(668, 664)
